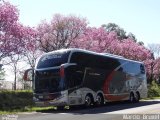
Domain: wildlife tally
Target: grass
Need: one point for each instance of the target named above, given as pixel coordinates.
(151, 98)
(7, 112)
(31, 109)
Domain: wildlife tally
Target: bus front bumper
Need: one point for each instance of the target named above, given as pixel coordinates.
(60, 101)
(49, 103)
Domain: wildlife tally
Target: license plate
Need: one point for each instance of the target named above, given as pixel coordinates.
(41, 97)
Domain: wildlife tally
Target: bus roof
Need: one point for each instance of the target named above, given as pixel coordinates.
(95, 53)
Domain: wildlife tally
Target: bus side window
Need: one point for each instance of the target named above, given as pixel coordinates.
(82, 59)
(77, 58)
(74, 76)
(142, 69)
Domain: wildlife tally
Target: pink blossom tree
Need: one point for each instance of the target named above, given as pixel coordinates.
(134, 51)
(99, 40)
(155, 69)
(15, 38)
(60, 32)
(30, 50)
(12, 34)
(8, 19)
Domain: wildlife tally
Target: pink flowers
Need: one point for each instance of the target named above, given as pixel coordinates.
(99, 40)
(61, 32)
(13, 35)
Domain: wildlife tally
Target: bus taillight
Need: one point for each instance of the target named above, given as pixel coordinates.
(62, 71)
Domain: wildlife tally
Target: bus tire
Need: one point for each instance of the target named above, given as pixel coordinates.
(99, 100)
(137, 97)
(131, 97)
(88, 100)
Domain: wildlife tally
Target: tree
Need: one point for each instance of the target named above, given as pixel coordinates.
(121, 33)
(13, 61)
(60, 32)
(155, 49)
(12, 34)
(141, 43)
(30, 50)
(97, 39)
(30, 56)
(8, 18)
(114, 27)
(2, 72)
(134, 51)
(132, 36)
(150, 66)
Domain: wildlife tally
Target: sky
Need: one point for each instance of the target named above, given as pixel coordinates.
(141, 17)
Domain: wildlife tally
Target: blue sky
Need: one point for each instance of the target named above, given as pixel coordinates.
(141, 17)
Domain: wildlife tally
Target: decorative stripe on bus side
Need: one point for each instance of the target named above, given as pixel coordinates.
(106, 90)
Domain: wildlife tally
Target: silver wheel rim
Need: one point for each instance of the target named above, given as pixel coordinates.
(99, 100)
(88, 101)
(137, 97)
(131, 98)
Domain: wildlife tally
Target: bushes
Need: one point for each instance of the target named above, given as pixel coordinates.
(10, 100)
(154, 90)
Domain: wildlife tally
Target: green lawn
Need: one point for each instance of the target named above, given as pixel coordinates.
(151, 98)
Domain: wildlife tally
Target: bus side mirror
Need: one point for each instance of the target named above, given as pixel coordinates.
(28, 75)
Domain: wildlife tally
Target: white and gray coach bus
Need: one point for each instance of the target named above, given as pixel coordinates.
(80, 77)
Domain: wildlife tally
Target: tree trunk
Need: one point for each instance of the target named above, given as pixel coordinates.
(15, 82)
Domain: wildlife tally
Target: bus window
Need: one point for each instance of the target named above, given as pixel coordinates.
(74, 76)
(142, 69)
(94, 61)
(131, 68)
(53, 59)
(79, 58)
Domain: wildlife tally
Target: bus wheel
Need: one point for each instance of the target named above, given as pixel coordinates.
(137, 97)
(131, 98)
(88, 101)
(99, 100)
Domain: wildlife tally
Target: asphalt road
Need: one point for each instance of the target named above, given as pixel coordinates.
(144, 110)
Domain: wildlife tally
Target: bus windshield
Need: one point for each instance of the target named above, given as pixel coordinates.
(48, 80)
(53, 59)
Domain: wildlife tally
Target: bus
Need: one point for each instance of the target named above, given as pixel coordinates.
(71, 77)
